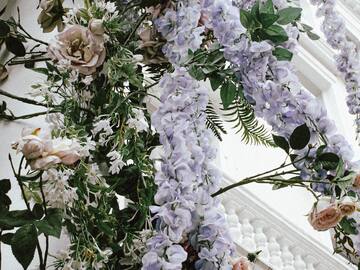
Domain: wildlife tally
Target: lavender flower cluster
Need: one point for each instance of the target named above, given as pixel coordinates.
(186, 216)
(271, 85)
(181, 30)
(348, 58)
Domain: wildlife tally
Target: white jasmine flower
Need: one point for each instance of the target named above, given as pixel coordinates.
(110, 7)
(87, 80)
(116, 162)
(89, 145)
(139, 122)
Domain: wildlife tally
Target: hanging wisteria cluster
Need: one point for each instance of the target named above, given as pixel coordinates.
(347, 59)
(134, 188)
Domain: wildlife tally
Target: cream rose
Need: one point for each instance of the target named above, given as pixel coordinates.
(242, 264)
(82, 49)
(325, 215)
(42, 152)
(347, 206)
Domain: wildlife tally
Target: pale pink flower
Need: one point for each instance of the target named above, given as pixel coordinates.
(242, 264)
(325, 215)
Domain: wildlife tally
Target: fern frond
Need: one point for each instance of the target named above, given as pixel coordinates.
(214, 122)
(242, 115)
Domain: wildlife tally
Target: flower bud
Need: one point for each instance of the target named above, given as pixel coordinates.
(347, 206)
(96, 26)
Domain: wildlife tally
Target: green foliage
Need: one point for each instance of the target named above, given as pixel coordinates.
(283, 54)
(214, 122)
(51, 224)
(23, 244)
(242, 115)
(300, 137)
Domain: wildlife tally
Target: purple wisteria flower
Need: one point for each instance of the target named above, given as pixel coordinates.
(348, 59)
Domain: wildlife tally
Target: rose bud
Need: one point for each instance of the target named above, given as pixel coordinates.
(96, 26)
(347, 206)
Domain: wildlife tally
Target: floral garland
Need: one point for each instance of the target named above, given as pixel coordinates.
(102, 144)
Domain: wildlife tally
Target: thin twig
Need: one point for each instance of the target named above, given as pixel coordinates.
(45, 211)
(22, 99)
(17, 176)
(25, 116)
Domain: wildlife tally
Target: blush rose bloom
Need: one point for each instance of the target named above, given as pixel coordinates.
(242, 264)
(83, 50)
(42, 152)
(325, 215)
(347, 206)
(356, 183)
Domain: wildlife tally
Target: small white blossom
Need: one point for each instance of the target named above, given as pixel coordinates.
(139, 122)
(87, 80)
(103, 128)
(116, 162)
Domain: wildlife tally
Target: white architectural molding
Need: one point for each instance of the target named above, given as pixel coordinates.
(255, 226)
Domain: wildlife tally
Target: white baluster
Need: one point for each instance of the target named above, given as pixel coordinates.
(260, 239)
(310, 262)
(286, 255)
(274, 249)
(299, 262)
(234, 225)
(247, 229)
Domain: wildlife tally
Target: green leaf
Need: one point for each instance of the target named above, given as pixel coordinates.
(281, 142)
(215, 81)
(214, 122)
(289, 15)
(23, 244)
(44, 71)
(52, 223)
(196, 73)
(247, 19)
(4, 29)
(329, 161)
(268, 19)
(300, 138)
(282, 54)
(228, 93)
(5, 185)
(276, 34)
(348, 225)
(6, 238)
(267, 7)
(313, 36)
(38, 211)
(16, 218)
(15, 46)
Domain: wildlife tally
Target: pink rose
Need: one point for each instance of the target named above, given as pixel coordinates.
(66, 150)
(82, 49)
(44, 163)
(347, 206)
(242, 264)
(325, 215)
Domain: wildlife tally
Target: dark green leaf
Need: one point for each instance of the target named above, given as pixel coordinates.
(196, 73)
(267, 7)
(300, 138)
(23, 244)
(15, 46)
(16, 218)
(349, 225)
(276, 34)
(268, 19)
(6, 238)
(38, 211)
(52, 223)
(5, 186)
(227, 93)
(255, 10)
(4, 29)
(282, 54)
(216, 81)
(281, 142)
(41, 70)
(329, 161)
(247, 19)
(289, 15)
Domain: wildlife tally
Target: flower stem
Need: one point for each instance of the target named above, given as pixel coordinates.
(25, 116)
(45, 211)
(17, 176)
(22, 99)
